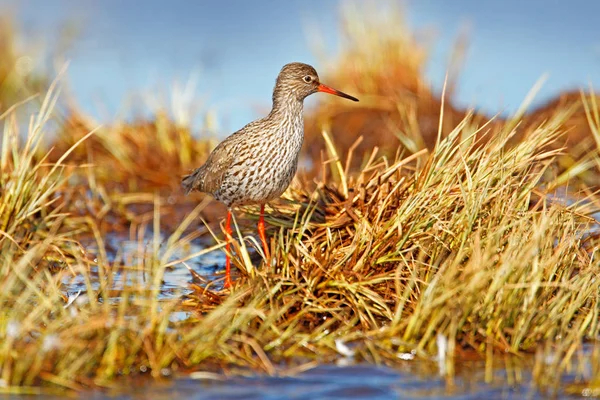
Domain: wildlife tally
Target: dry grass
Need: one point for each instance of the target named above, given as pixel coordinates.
(139, 156)
(460, 243)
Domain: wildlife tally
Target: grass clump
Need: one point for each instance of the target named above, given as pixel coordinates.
(460, 243)
(138, 156)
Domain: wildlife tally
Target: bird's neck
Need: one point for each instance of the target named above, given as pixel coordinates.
(286, 116)
(286, 107)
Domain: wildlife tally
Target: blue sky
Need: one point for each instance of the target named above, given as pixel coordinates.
(235, 48)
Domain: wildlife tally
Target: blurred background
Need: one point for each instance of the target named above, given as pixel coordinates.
(223, 56)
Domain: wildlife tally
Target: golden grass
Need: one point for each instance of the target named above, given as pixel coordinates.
(143, 155)
(462, 244)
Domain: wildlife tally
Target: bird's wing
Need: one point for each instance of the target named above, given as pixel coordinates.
(224, 156)
(208, 178)
(219, 161)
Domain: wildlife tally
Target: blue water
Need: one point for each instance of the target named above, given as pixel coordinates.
(176, 279)
(329, 382)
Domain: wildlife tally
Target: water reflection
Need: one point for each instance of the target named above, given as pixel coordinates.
(130, 253)
(331, 382)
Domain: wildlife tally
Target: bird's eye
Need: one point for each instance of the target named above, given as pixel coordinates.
(307, 79)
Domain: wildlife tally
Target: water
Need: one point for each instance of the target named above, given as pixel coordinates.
(176, 279)
(329, 382)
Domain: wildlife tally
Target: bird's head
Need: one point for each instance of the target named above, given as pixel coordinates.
(302, 80)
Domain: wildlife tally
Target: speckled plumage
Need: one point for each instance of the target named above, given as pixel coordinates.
(257, 163)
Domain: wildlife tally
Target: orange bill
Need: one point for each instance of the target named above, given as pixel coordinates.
(327, 89)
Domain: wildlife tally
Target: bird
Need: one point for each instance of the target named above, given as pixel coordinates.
(256, 164)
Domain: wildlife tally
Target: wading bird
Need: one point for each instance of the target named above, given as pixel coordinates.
(257, 163)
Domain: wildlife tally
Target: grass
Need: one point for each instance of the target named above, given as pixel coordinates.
(481, 244)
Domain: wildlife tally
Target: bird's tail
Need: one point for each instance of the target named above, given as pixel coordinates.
(190, 182)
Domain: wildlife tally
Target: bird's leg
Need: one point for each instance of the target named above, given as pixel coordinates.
(261, 231)
(228, 232)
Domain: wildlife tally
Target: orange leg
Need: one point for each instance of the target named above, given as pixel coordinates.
(228, 232)
(261, 231)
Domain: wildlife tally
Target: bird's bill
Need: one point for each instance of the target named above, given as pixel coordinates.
(327, 89)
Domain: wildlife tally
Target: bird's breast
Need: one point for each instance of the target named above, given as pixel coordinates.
(265, 165)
